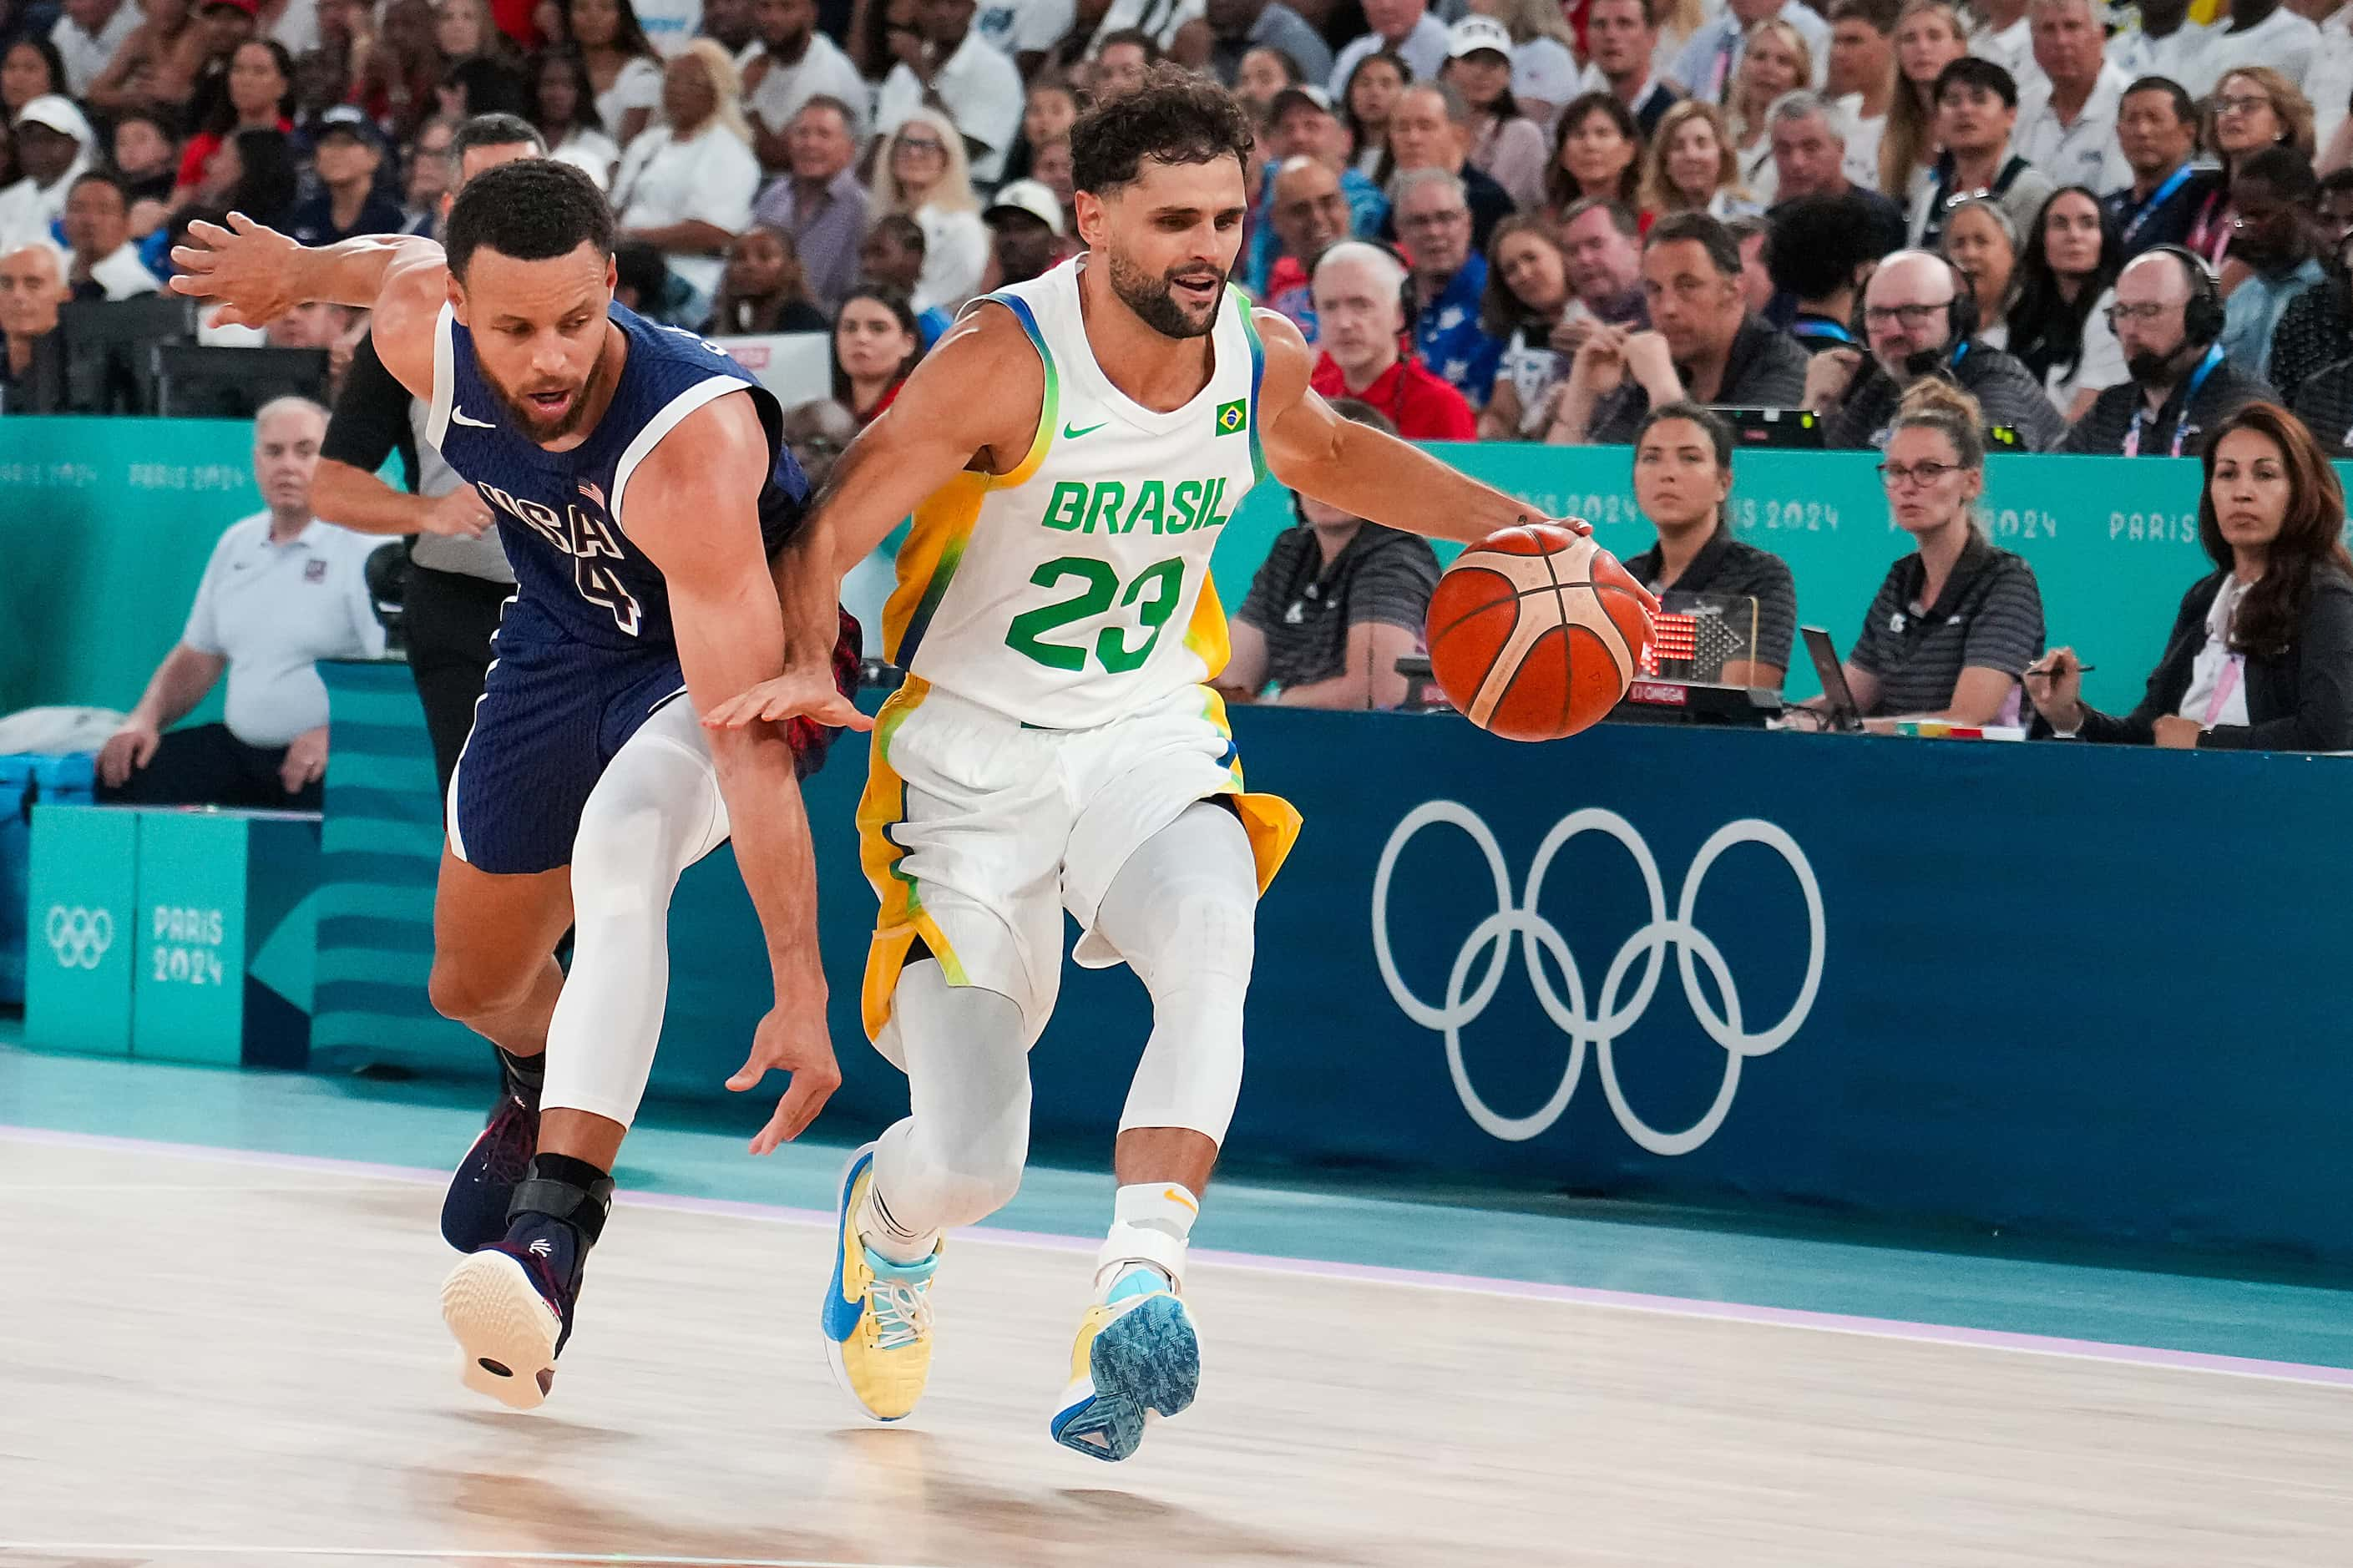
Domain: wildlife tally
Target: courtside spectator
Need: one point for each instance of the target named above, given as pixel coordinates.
(2316, 329)
(1309, 215)
(1705, 345)
(1755, 283)
(875, 346)
(32, 359)
(154, 67)
(2168, 314)
(2251, 108)
(1401, 27)
(1773, 66)
(1430, 129)
(1710, 63)
(563, 112)
(2158, 40)
(1928, 37)
(1982, 244)
(1025, 229)
(762, 290)
(622, 64)
(2067, 120)
(975, 87)
(1818, 251)
(1239, 28)
(1300, 125)
(1367, 97)
(1124, 58)
(54, 147)
(2276, 241)
(1916, 318)
(818, 432)
(2256, 32)
(426, 179)
(258, 95)
(105, 263)
(282, 591)
(1360, 292)
(1690, 167)
(1977, 110)
(1622, 40)
(792, 64)
(1264, 72)
(1956, 622)
(2066, 281)
(1449, 277)
(147, 156)
(686, 183)
(1601, 244)
(87, 37)
(1597, 151)
(1544, 55)
(349, 200)
(1810, 157)
(1861, 79)
(921, 174)
(892, 256)
(1682, 477)
(732, 24)
(818, 203)
(2157, 134)
(1529, 306)
(2004, 36)
(1506, 145)
(2261, 654)
(1334, 607)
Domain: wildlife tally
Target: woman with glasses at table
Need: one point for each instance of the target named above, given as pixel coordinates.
(1957, 621)
(2261, 655)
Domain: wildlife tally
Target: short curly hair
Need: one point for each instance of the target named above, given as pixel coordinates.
(1176, 118)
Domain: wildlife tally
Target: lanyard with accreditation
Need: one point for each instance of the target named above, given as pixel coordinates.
(2180, 421)
(2156, 198)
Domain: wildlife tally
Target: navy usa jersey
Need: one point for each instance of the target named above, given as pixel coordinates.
(562, 515)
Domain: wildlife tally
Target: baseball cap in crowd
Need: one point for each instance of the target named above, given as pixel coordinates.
(1291, 97)
(1473, 33)
(1029, 196)
(346, 120)
(60, 114)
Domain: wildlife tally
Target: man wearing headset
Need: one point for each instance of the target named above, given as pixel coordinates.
(1363, 297)
(1917, 315)
(2168, 314)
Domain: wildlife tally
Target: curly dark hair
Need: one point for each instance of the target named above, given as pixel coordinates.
(533, 210)
(1178, 118)
(2311, 536)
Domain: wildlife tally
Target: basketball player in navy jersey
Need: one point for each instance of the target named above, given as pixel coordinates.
(653, 516)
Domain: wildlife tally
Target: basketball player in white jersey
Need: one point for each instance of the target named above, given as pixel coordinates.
(1069, 452)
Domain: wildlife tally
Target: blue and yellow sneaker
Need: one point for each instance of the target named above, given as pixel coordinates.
(877, 1317)
(1137, 1352)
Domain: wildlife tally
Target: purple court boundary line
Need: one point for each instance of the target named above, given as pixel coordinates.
(1375, 1274)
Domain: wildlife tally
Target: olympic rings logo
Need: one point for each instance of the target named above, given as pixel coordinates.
(80, 937)
(1612, 1013)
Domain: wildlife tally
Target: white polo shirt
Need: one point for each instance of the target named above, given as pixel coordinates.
(272, 610)
(2083, 154)
(2138, 55)
(823, 69)
(2283, 40)
(984, 95)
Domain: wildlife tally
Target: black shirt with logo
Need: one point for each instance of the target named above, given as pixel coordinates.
(1988, 616)
(1383, 576)
(2108, 425)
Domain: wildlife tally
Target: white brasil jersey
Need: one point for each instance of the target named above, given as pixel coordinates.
(1075, 589)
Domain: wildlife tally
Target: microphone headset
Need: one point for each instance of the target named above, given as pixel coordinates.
(2202, 313)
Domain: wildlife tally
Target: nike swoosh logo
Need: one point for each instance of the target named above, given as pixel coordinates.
(459, 416)
(1072, 433)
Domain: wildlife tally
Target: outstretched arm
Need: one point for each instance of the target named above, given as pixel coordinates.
(973, 406)
(692, 510)
(1361, 470)
(259, 274)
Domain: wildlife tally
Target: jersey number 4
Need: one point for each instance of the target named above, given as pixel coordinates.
(1153, 593)
(585, 539)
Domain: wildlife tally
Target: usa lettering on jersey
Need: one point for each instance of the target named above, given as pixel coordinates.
(588, 540)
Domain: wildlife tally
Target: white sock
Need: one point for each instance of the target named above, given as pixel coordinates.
(1151, 1223)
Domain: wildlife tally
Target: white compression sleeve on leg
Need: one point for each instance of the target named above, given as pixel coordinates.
(957, 1157)
(1183, 911)
(656, 811)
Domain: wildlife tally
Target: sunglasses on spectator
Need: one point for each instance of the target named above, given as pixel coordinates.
(1895, 476)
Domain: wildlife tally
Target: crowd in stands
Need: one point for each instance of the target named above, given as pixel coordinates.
(1541, 221)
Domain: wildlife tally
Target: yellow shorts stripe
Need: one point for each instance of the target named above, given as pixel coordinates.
(902, 918)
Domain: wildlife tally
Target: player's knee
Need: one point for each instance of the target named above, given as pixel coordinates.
(465, 988)
(979, 1169)
(1210, 936)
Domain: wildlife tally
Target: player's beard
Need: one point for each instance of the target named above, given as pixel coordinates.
(528, 421)
(1153, 297)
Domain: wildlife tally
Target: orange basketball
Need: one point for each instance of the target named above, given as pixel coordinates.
(1536, 632)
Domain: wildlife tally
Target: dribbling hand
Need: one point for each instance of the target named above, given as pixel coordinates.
(796, 1042)
(248, 266)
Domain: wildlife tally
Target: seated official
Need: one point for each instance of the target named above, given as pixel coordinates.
(1704, 345)
(282, 591)
(1359, 293)
(2261, 655)
(1957, 621)
(1335, 605)
(1682, 475)
(2167, 316)
(1915, 312)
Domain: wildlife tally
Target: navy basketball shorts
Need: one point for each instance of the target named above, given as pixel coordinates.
(554, 712)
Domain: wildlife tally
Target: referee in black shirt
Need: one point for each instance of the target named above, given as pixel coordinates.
(1682, 475)
(458, 579)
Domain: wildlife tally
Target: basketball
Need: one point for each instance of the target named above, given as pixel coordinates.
(1536, 632)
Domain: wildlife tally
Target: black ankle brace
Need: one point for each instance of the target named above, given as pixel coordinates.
(562, 1187)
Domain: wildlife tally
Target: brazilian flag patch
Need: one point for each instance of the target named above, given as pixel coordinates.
(1232, 418)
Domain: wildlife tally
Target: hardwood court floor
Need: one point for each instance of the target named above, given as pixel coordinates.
(208, 1360)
